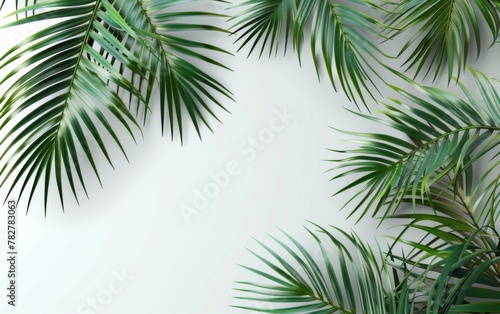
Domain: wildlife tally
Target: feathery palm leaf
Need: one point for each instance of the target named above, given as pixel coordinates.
(444, 32)
(452, 219)
(57, 94)
(448, 279)
(69, 86)
(446, 135)
(349, 282)
(460, 277)
(173, 59)
(451, 212)
(337, 38)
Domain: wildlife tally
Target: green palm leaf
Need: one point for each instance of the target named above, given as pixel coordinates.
(452, 219)
(446, 135)
(79, 76)
(442, 31)
(337, 40)
(457, 276)
(56, 90)
(450, 213)
(440, 279)
(346, 282)
(174, 60)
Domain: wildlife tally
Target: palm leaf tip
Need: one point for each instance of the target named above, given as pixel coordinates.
(179, 62)
(297, 281)
(445, 134)
(337, 38)
(442, 32)
(79, 78)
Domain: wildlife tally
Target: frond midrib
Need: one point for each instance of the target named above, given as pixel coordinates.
(71, 84)
(345, 36)
(391, 168)
(450, 13)
(424, 146)
(167, 54)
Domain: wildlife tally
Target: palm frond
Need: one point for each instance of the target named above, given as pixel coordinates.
(453, 217)
(442, 32)
(76, 77)
(174, 60)
(452, 278)
(439, 279)
(61, 94)
(445, 134)
(450, 212)
(348, 281)
(337, 38)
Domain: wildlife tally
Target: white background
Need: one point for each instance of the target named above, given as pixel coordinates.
(134, 224)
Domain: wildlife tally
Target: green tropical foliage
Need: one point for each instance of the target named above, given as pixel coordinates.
(345, 36)
(453, 267)
(355, 279)
(444, 32)
(446, 259)
(336, 39)
(460, 277)
(446, 134)
(95, 62)
(96, 67)
(329, 282)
